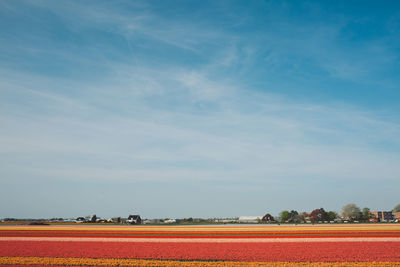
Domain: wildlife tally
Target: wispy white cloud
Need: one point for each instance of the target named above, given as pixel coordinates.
(269, 138)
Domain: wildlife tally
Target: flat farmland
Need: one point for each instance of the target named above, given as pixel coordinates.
(225, 245)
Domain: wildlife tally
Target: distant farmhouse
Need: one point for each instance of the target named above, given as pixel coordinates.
(268, 218)
(134, 219)
(384, 216)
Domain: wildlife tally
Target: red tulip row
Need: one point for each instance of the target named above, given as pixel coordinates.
(293, 252)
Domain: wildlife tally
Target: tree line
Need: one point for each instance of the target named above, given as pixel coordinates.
(350, 212)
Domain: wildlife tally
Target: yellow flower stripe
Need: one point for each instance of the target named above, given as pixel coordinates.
(136, 262)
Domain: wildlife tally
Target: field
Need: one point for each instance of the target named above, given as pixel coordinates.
(238, 245)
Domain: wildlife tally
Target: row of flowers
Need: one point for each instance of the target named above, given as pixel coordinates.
(198, 252)
(192, 234)
(239, 251)
(49, 261)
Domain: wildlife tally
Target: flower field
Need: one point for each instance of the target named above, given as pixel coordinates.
(239, 245)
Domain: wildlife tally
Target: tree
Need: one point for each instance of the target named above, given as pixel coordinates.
(332, 215)
(293, 216)
(351, 212)
(318, 215)
(397, 208)
(94, 218)
(315, 215)
(324, 215)
(303, 216)
(285, 215)
(365, 214)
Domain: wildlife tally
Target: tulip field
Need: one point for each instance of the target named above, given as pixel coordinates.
(216, 245)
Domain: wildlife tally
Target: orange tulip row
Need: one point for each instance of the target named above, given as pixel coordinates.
(49, 261)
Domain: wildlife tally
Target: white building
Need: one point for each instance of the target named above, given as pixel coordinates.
(250, 219)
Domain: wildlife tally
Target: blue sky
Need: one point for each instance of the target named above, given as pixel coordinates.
(198, 108)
